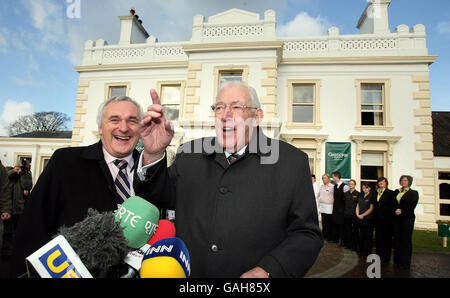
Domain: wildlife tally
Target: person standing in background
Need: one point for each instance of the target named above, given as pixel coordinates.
(20, 184)
(383, 220)
(316, 188)
(5, 201)
(338, 207)
(364, 214)
(326, 206)
(405, 201)
(350, 231)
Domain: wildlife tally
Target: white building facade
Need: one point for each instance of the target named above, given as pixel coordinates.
(370, 90)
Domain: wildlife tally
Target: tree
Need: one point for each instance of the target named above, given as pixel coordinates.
(41, 121)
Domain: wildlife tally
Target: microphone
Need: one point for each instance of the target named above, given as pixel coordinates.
(139, 219)
(89, 248)
(167, 258)
(165, 229)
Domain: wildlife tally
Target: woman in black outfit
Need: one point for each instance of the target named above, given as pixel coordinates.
(405, 201)
(351, 199)
(365, 222)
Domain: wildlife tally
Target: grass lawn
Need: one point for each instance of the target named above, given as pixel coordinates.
(428, 241)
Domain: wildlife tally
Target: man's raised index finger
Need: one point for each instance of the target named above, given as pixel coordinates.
(155, 96)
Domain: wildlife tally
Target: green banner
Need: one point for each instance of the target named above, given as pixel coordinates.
(338, 158)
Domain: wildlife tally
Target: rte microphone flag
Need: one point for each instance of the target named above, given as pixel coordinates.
(56, 259)
(167, 258)
(139, 218)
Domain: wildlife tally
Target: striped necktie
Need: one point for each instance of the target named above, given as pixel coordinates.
(232, 158)
(121, 182)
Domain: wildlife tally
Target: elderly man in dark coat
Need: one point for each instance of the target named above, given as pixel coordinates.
(244, 203)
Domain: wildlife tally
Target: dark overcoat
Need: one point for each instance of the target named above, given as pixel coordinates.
(74, 180)
(258, 211)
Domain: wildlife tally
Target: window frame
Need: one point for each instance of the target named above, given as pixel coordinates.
(109, 86)
(386, 90)
(316, 103)
(182, 84)
(438, 200)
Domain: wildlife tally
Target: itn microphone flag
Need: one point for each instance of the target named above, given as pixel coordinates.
(167, 258)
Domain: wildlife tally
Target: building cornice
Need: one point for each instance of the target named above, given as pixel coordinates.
(361, 60)
(227, 46)
(128, 66)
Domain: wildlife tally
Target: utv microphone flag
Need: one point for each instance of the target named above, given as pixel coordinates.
(56, 259)
(139, 219)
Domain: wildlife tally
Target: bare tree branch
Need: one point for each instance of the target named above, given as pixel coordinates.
(41, 121)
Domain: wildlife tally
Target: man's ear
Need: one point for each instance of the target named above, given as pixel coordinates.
(100, 130)
(259, 116)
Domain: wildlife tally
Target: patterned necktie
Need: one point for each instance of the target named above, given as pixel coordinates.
(232, 158)
(121, 182)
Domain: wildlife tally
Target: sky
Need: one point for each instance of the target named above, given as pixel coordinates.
(41, 41)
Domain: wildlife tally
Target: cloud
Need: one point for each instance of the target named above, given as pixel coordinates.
(304, 25)
(443, 27)
(47, 16)
(12, 110)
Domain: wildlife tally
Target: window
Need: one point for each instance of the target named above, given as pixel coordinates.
(171, 94)
(228, 76)
(304, 108)
(373, 104)
(303, 103)
(170, 100)
(372, 107)
(444, 193)
(372, 167)
(116, 89)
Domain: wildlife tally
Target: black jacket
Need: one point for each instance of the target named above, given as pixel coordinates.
(338, 204)
(239, 216)
(384, 211)
(407, 204)
(74, 180)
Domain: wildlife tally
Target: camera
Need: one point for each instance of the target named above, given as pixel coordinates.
(24, 166)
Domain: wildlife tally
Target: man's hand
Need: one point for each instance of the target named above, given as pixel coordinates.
(156, 131)
(5, 216)
(398, 212)
(256, 272)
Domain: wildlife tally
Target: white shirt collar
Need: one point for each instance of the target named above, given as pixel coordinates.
(109, 158)
(240, 152)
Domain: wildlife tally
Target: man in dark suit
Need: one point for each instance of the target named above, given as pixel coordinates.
(244, 203)
(384, 214)
(80, 178)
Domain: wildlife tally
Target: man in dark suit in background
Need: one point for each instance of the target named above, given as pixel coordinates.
(244, 203)
(384, 214)
(80, 178)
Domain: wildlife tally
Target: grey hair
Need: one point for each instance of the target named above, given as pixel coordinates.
(253, 95)
(101, 108)
(410, 179)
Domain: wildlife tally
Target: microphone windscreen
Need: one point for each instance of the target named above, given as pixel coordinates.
(98, 240)
(139, 218)
(167, 258)
(165, 229)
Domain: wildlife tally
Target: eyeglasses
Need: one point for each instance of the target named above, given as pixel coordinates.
(236, 108)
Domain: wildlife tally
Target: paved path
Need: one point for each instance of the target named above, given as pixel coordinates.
(335, 261)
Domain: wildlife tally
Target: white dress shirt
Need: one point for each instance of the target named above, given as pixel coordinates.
(109, 159)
